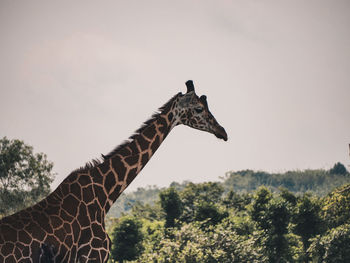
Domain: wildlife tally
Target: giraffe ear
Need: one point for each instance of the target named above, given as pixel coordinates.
(203, 98)
(190, 86)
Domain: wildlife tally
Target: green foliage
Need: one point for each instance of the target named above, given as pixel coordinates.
(192, 244)
(125, 202)
(236, 201)
(147, 211)
(277, 222)
(240, 223)
(319, 182)
(171, 205)
(288, 196)
(153, 231)
(276, 218)
(210, 213)
(25, 177)
(336, 209)
(259, 227)
(272, 216)
(332, 247)
(196, 196)
(259, 206)
(338, 168)
(307, 218)
(126, 239)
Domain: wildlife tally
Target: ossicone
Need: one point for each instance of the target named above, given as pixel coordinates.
(203, 98)
(190, 86)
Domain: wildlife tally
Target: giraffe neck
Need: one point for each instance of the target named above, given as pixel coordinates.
(98, 185)
(120, 167)
(123, 164)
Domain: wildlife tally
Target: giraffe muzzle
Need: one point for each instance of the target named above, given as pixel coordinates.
(221, 133)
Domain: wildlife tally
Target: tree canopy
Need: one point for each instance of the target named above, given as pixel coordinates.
(261, 226)
(126, 239)
(338, 168)
(25, 176)
(171, 205)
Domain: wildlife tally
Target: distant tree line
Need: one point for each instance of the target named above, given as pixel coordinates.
(319, 182)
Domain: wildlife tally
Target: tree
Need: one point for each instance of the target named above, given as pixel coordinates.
(127, 239)
(288, 196)
(272, 216)
(236, 201)
(276, 219)
(172, 206)
(209, 212)
(25, 177)
(259, 206)
(307, 220)
(147, 211)
(333, 247)
(195, 194)
(337, 206)
(338, 168)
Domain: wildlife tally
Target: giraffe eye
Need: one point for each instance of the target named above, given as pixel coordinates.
(199, 109)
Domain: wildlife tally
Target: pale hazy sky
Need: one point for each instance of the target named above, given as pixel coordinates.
(78, 77)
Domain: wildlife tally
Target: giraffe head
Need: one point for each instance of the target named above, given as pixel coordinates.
(193, 111)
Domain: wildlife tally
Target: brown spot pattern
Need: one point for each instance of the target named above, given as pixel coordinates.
(68, 226)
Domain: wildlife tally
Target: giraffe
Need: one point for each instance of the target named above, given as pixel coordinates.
(68, 225)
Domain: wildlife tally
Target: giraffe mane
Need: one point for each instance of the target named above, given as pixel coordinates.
(95, 162)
